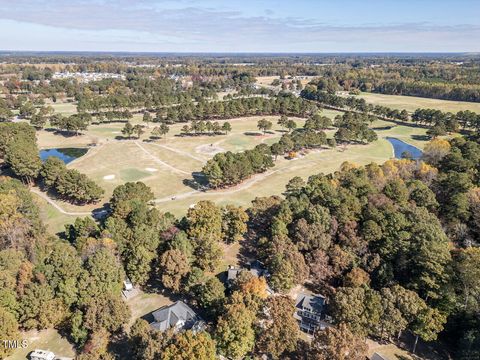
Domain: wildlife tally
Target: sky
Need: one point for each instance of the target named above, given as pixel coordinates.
(241, 25)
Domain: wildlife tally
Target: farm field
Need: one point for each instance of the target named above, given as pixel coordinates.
(168, 165)
(411, 103)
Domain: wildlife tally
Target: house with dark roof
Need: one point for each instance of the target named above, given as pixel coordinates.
(178, 316)
(310, 312)
(256, 268)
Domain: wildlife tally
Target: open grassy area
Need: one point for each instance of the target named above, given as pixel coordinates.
(411, 103)
(167, 165)
(48, 339)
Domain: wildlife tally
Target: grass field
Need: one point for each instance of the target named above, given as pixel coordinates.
(411, 103)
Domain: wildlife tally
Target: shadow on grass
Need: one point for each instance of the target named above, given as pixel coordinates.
(420, 137)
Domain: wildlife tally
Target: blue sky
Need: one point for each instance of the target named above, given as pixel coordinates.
(241, 26)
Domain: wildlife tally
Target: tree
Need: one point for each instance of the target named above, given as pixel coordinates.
(264, 125)
(205, 221)
(128, 130)
(277, 149)
(39, 308)
(234, 224)
(295, 185)
(138, 129)
(226, 127)
(359, 308)
(147, 118)
(428, 324)
(174, 265)
(211, 294)
(190, 345)
(468, 274)
(435, 151)
(105, 311)
(291, 125)
(234, 331)
(279, 330)
(38, 121)
(337, 343)
(163, 129)
(51, 169)
(23, 158)
(8, 331)
(283, 121)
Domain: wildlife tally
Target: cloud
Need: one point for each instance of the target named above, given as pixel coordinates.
(183, 25)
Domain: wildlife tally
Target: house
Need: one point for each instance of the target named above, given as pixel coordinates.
(310, 311)
(38, 354)
(256, 268)
(178, 316)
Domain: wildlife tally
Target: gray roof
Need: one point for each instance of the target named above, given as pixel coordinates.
(232, 273)
(311, 303)
(377, 356)
(177, 314)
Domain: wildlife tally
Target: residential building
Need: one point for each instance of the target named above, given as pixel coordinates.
(178, 316)
(311, 312)
(256, 268)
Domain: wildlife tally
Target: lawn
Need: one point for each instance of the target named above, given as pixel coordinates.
(48, 339)
(411, 103)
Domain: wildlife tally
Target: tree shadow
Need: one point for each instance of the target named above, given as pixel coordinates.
(251, 133)
(420, 137)
(197, 182)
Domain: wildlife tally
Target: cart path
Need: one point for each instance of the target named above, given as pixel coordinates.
(157, 160)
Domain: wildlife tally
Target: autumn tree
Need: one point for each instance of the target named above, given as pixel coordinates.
(278, 330)
(174, 265)
(337, 343)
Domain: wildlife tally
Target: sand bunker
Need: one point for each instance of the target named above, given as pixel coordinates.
(209, 149)
(151, 169)
(109, 177)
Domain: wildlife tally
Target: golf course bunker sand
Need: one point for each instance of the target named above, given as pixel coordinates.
(209, 149)
(151, 169)
(109, 177)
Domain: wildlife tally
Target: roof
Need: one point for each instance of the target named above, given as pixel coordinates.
(311, 303)
(232, 273)
(42, 354)
(377, 356)
(178, 314)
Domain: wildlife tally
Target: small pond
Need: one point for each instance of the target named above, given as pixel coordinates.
(65, 154)
(400, 147)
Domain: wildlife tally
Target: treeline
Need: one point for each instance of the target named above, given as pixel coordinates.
(228, 169)
(435, 90)
(440, 80)
(285, 104)
(18, 148)
(442, 121)
(69, 183)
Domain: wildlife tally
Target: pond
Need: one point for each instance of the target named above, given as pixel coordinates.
(400, 147)
(65, 154)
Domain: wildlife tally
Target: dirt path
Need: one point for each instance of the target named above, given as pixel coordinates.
(183, 153)
(158, 161)
(243, 186)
